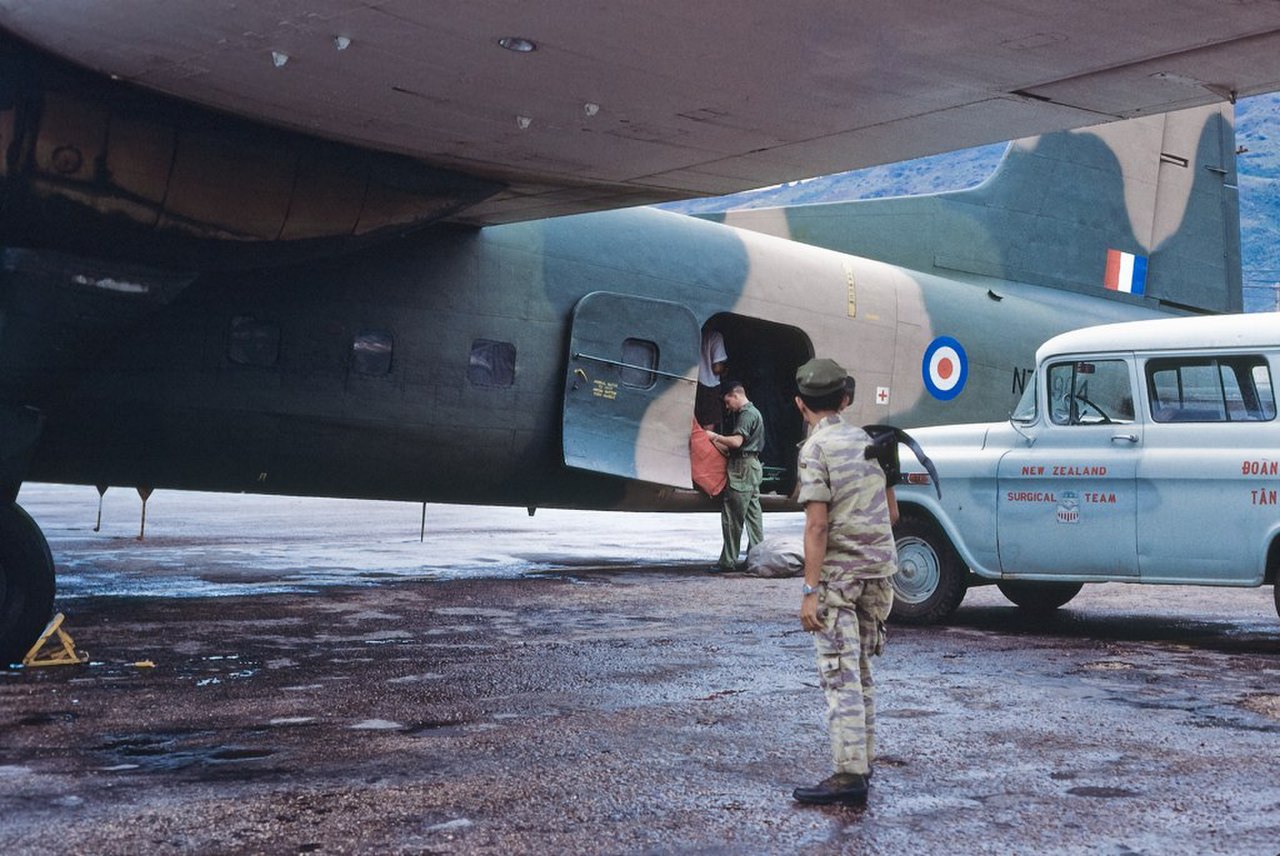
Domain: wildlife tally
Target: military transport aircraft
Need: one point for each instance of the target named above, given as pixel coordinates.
(290, 247)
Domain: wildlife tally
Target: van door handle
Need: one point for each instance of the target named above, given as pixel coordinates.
(1128, 438)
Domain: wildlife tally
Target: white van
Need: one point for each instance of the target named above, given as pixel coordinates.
(1142, 452)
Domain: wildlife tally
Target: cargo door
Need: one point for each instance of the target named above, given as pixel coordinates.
(629, 388)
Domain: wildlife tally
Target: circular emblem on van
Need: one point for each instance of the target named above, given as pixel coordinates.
(944, 368)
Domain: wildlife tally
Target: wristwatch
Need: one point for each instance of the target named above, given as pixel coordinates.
(808, 589)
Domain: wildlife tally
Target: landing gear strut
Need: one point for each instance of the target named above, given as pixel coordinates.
(26, 582)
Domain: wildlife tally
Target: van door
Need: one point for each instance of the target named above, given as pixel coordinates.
(1067, 502)
(629, 388)
(1208, 474)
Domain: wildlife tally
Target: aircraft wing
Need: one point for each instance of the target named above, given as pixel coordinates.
(626, 103)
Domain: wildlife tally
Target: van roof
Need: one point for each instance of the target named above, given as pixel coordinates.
(1196, 332)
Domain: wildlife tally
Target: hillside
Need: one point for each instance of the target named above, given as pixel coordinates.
(1257, 131)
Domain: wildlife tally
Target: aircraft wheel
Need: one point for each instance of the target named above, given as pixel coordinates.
(1038, 596)
(26, 582)
(931, 578)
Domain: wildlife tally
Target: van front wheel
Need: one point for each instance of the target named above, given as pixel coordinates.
(931, 578)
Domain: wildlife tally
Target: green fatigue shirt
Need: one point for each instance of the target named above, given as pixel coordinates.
(744, 470)
(834, 470)
(750, 424)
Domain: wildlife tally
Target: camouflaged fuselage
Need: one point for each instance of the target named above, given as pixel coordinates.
(147, 390)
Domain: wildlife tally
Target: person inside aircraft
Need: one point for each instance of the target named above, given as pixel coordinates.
(708, 409)
(741, 496)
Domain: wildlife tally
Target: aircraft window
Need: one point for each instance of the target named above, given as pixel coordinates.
(371, 353)
(639, 355)
(492, 363)
(1224, 389)
(1090, 393)
(253, 342)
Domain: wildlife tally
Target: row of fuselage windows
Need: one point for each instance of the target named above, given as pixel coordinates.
(256, 342)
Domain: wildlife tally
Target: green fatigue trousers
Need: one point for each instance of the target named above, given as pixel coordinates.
(741, 500)
(853, 613)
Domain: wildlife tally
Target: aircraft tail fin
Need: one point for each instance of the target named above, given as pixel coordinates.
(1142, 209)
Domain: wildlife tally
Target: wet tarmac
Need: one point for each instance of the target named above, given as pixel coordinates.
(324, 683)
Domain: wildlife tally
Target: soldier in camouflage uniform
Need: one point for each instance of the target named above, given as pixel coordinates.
(849, 555)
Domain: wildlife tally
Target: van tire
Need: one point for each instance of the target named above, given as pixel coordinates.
(931, 579)
(1038, 597)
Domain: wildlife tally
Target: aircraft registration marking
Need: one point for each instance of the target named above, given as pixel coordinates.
(1020, 376)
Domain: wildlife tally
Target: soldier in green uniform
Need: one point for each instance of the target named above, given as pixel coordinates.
(849, 555)
(742, 444)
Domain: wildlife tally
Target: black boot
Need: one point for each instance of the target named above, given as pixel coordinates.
(838, 788)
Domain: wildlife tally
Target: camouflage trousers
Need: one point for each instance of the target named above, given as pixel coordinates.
(853, 613)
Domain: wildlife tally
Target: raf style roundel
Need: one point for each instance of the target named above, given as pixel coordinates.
(945, 368)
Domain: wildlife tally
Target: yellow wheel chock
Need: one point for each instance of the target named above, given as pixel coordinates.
(62, 651)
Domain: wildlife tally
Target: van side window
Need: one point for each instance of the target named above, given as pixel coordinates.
(1266, 393)
(1211, 389)
(1090, 392)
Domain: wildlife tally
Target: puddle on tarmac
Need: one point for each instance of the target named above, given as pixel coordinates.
(49, 718)
(906, 713)
(174, 751)
(1102, 793)
(440, 728)
(236, 753)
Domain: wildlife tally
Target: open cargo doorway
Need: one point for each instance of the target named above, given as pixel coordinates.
(764, 356)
